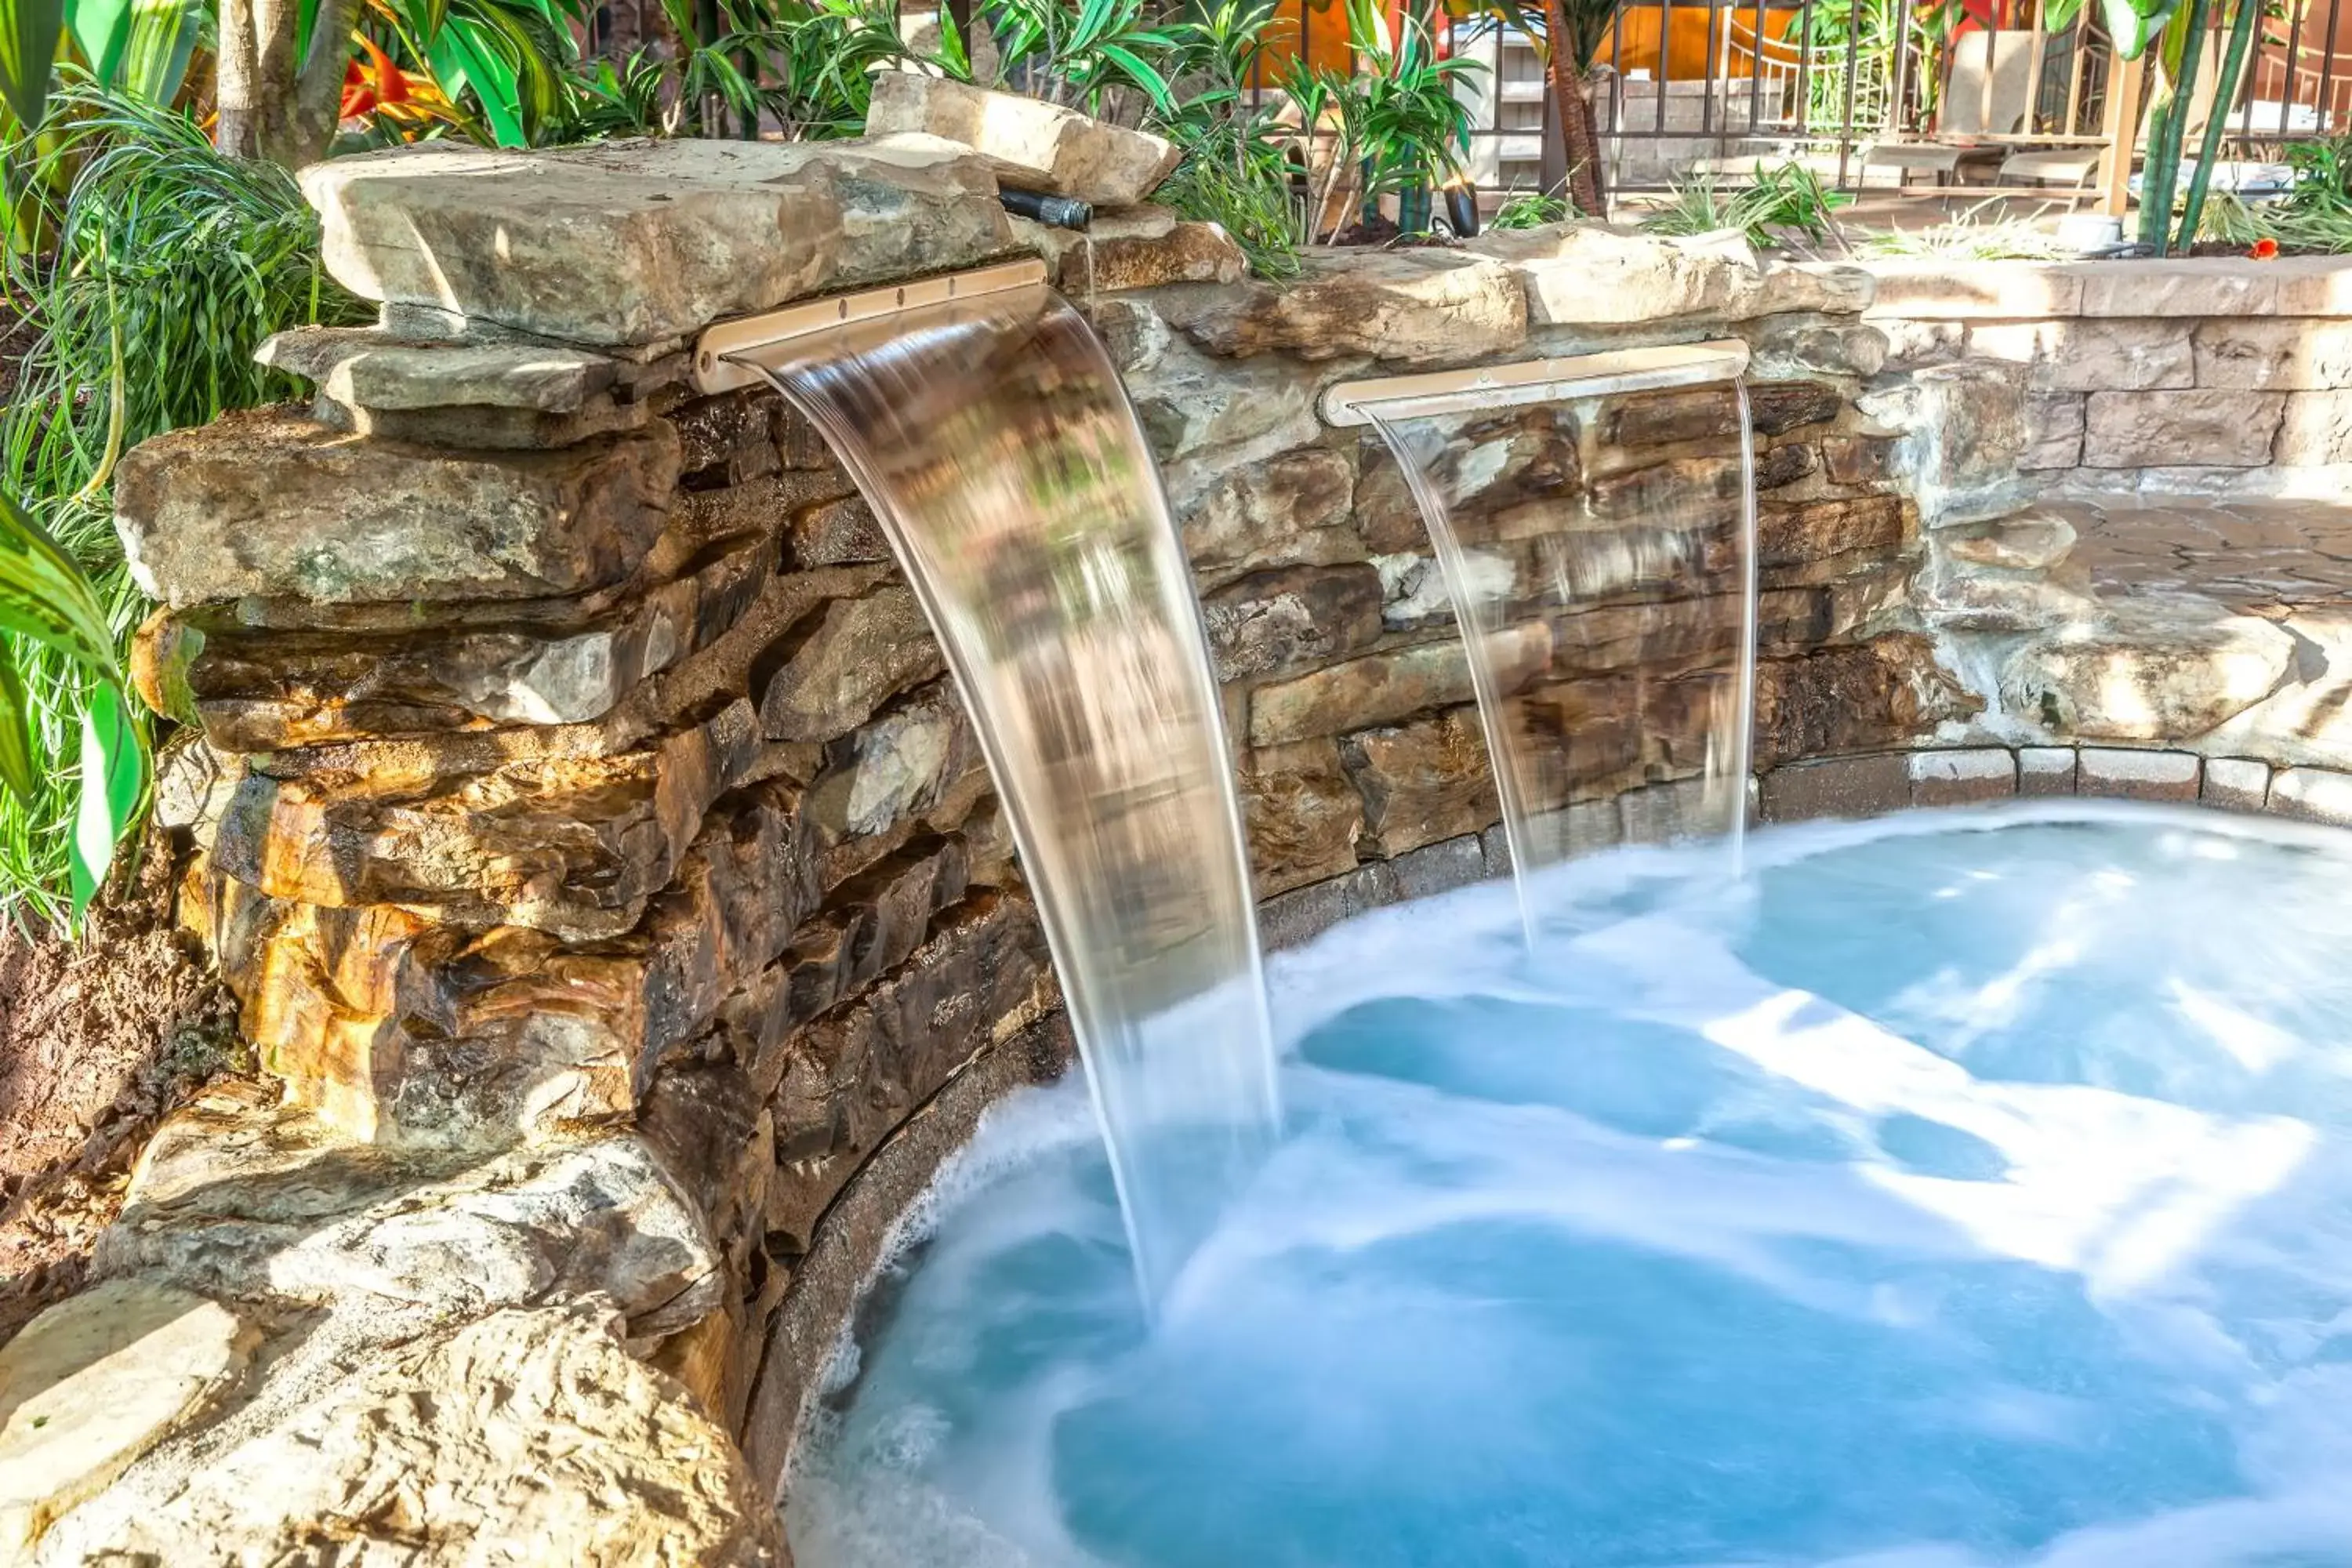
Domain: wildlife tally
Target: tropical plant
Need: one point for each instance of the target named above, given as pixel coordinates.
(47, 603)
(1236, 170)
(1530, 209)
(1777, 205)
(1080, 55)
(1971, 236)
(168, 263)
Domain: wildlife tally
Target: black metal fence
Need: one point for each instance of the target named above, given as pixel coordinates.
(1689, 86)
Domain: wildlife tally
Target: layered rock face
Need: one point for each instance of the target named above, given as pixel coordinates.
(606, 868)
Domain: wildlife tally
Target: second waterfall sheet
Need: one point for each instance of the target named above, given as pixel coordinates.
(1600, 554)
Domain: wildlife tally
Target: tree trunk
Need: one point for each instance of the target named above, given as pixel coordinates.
(1573, 104)
(274, 105)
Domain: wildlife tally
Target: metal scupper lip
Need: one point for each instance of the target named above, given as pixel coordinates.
(1350, 402)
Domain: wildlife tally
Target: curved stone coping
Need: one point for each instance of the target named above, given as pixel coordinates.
(1869, 784)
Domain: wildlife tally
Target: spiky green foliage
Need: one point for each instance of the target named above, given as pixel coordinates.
(1783, 205)
(1530, 209)
(171, 264)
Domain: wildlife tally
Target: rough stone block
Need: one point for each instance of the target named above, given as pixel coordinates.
(2045, 769)
(2154, 670)
(2236, 783)
(267, 689)
(1886, 692)
(1270, 621)
(1806, 346)
(1142, 247)
(96, 1381)
(1797, 533)
(2180, 288)
(1194, 406)
(1910, 345)
(2087, 355)
(270, 505)
(1582, 275)
(2315, 430)
(1302, 915)
(2031, 541)
(1440, 868)
(2137, 775)
(2054, 430)
(367, 367)
(1859, 459)
(1291, 510)
(1421, 782)
(856, 655)
(1962, 777)
(643, 243)
(2313, 795)
(1380, 688)
(837, 534)
(1029, 144)
(1420, 306)
(1301, 812)
(1984, 291)
(1642, 420)
(1837, 786)
(2223, 428)
(2274, 353)
(1968, 420)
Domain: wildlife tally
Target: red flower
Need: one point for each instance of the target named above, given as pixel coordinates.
(2264, 249)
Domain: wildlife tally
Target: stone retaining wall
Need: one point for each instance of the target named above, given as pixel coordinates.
(2212, 376)
(606, 867)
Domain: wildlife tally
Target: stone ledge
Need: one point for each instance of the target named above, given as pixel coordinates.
(270, 505)
(640, 243)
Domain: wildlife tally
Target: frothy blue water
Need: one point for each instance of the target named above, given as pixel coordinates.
(1947, 1196)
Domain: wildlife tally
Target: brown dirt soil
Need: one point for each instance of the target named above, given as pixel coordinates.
(98, 1038)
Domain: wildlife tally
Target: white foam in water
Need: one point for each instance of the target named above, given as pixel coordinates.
(1961, 1192)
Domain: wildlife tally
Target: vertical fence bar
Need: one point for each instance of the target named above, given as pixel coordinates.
(1718, 40)
(2322, 120)
(2078, 55)
(1755, 68)
(2294, 61)
(1845, 136)
(1900, 86)
(1805, 68)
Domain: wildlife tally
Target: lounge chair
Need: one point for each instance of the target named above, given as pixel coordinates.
(1987, 91)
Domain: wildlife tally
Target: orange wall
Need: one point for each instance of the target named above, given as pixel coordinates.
(1636, 49)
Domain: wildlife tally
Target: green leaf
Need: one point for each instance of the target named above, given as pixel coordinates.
(28, 50)
(101, 30)
(16, 771)
(162, 41)
(466, 55)
(2134, 24)
(44, 595)
(113, 782)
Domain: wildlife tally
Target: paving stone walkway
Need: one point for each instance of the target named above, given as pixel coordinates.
(2271, 558)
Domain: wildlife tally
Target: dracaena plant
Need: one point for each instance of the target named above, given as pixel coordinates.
(1079, 54)
(58, 663)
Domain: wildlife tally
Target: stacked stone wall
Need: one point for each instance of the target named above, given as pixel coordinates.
(2214, 375)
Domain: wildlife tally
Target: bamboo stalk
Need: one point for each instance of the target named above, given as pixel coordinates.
(2225, 91)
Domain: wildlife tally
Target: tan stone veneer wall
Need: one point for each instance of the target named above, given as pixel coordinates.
(606, 869)
(2208, 377)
